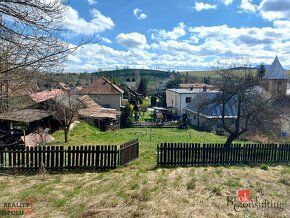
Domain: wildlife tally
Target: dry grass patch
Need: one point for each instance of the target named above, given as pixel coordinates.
(168, 192)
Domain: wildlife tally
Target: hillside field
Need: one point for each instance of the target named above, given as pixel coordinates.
(143, 190)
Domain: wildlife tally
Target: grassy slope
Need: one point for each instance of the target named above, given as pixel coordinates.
(141, 189)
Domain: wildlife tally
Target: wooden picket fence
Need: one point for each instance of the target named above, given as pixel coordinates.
(194, 154)
(129, 151)
(59, 158)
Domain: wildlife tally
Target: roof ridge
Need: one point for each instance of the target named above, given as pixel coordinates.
(114, 85)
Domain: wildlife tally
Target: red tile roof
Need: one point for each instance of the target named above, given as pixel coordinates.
(46, 95)
(101, 86)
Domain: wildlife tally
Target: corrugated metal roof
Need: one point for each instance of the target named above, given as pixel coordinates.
(205, 105)
(276, 71)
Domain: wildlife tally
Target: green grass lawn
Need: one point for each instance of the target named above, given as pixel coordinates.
(85, 134)
(143, 190)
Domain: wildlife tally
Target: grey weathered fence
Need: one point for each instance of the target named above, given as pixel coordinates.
(194, 154)
(59, 158)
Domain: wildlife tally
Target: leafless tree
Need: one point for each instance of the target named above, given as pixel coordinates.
(65, 109)
(242, 89)
(31, 39)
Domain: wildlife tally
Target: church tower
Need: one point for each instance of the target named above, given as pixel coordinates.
(275, 79)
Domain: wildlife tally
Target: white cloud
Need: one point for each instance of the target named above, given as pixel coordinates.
(275, 9)
(176, 33)
(78, 25)
(95, 56)
(92, 2)
(132, 40)
(106, 40)
(199, 6)
(139, 14)
(197, 51)
(74, 59)
(227, 2)
(247, 6)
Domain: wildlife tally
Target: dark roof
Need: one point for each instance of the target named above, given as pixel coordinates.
(101, 86)
(211, 109)
(25, 116)
(276, 71)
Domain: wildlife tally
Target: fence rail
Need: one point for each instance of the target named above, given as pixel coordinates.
(57, 158)
(194, 154)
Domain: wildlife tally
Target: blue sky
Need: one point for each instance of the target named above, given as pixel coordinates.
(175, 34)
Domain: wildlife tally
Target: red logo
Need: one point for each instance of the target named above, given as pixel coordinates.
(244, 195)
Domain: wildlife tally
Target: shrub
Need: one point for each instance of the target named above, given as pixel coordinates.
(264, 167)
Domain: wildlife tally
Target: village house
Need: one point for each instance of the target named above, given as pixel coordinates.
(208, 116)
(105, 93)
(179, 98)
(103, 118)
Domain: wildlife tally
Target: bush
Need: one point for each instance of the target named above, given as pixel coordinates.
(264, 167)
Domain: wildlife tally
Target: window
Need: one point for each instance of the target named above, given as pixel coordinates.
(187, 99)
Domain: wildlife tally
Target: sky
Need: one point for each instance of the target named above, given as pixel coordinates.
(175, 35)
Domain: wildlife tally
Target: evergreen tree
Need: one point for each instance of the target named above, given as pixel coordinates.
(126, 119)
(142, 88)
(261, 71)
(153, 101)
(173, 84)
